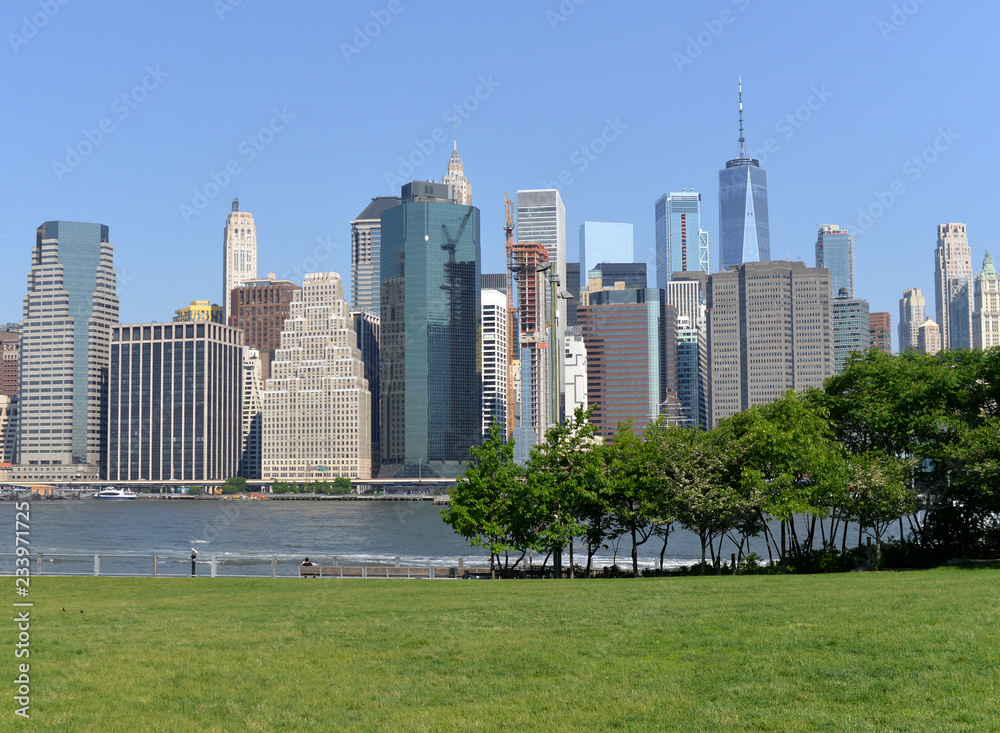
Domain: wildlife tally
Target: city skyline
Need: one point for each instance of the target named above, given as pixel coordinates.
(908, 174)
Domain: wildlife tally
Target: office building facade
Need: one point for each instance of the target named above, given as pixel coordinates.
(912, 314)
(632, 274)
(692, 375)
(251, 415)
(770, 330)
(368, 327)
(239, 261)
(259, 307)
(10, 362)
(953, 283)
(431, 373)
(880, 332)
(494, 359)
(576, 373)
(366, 247)
(174, 402)
(199, 310)
(929, 337)
(682, 245)
(835, 252)
(317, 405)
(851, 328)
(8, 431)
(603, 241)
(69, 309)
(986, 317)
(454, 176)
(533, 397)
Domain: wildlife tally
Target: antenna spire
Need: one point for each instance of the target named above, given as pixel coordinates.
(456, 132)
(742, 154)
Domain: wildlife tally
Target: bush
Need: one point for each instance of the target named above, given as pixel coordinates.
(341, 485)
(194, 490)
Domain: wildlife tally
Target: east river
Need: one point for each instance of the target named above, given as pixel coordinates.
(244, 536)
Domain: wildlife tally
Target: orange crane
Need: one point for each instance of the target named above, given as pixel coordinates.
(509, 230)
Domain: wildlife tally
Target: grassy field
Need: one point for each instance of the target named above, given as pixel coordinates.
(887, 651)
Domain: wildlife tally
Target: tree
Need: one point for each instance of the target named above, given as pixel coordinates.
(235, 485)
(633, 502)
(282, 487)
(485, 503)
(879, 493)
(194, 491)
(341, 485)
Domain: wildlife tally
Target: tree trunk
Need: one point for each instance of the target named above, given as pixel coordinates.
(784, 566)
(571, 558)
(663, 550)
(843, 540)
(635, 554)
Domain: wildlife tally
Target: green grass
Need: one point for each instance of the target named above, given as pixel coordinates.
(887, 651)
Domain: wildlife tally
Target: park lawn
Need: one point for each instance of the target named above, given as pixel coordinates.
(879, 651)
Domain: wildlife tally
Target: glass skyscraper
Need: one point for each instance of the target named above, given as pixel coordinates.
(431, 373)
(744, 232)
(366, 239)
(604, 241)
(69, 309)
(835, 252)
(681, 244)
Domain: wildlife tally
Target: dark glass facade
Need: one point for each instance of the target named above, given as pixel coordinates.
(431, 371)
(744, 232)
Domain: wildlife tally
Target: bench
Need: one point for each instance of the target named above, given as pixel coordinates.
(310, 571)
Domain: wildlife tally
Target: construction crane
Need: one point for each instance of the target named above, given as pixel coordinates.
(509, 230)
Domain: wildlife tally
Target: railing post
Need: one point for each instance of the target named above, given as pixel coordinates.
(461, 565)
(432, 572)
(97, 564)
(364, 571)
(215, 564)
(154, 564)
(274, 566)
(39, 563)
(397, 562)
(336, 561)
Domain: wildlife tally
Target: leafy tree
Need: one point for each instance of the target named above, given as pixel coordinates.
(879, 493)
(235, 485)
(341, 485)
(486, 501)
(634, 502)
(282, 487)
(194, 491)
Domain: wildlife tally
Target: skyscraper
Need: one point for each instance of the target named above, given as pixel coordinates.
(744, 231)
(69, 309)
(251, 415)
(368, 326)
(912, 313)
(8, 433)
(835, 252)
(366, 243)
(851, 328)
(769, 331)
(986, 319)
(576, 373)
(681, 244)
(495, 353)
(692, 374)
(928, 337)
(603, 241)
(541, 217)
(531, 265)
(174, 393)
(953, 280)
(259, 307)
(880, 331)
(239, 253)
(10, 362)
(431, 373)
(633, 274)
(317, 403)
(455, 177)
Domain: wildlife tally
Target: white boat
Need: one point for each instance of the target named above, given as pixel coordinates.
(115, 494)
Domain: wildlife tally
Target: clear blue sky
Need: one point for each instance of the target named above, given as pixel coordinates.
(548, 81)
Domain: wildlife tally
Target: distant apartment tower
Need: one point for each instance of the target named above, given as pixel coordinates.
(69, 309)
(576, 373)
(769, 330)
(953, 283)
(912, 314)
(835, 252)
(431, 369)
(986, 318)
(851, 328)
(10, 362)
(259, 306)
(880, 332)
(174, 402)
(692, 374)
(239, 253)
(688, 297)
(534, 403)
(681, 243)
(494, 359)
(366, 247)
(368, 327)
(929, 337)
(317, 406)
(744, 227)
(455, 177)
(631, 341)
(541, 217)
(603, 241)
(199, 310)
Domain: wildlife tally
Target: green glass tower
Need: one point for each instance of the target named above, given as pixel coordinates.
(431, 371)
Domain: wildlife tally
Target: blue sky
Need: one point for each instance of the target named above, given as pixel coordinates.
(305, 111)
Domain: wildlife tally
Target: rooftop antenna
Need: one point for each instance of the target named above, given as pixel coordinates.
(742, 155)
(456, 132)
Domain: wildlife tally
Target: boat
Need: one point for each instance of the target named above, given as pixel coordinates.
(115, 494)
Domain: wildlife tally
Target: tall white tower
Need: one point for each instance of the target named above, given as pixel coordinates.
(953, 284)
(455, 176)
(239, 253)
